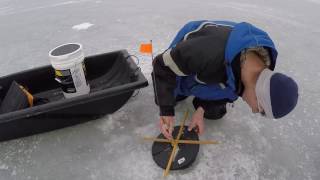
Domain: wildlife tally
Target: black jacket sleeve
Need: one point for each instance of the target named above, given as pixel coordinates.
(164, 82)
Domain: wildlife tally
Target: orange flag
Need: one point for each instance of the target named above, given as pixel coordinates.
(146, 48)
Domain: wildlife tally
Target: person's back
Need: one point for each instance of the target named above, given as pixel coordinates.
(216, 62)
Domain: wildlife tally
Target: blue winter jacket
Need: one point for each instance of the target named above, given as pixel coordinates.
(240, 36)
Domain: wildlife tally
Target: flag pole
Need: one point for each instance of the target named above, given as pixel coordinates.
(151, 50)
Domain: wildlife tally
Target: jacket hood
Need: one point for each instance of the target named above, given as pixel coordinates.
(245, 35)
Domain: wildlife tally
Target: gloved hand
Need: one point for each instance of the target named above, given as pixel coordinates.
(197, 122)
(166, 126)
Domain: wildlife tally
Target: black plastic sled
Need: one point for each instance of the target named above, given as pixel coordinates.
(113, 78)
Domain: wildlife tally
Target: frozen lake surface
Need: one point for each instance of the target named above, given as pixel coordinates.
(110, 148)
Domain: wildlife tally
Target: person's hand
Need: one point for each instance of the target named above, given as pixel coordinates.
(166, 126)
(197, 122)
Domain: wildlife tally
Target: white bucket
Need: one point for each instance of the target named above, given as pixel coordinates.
(70, 71)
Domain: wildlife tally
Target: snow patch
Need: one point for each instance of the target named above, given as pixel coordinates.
(14, 173)
(145, 64)
(146, 130)
(116, 141)
(83, 26)
(137, 164)
(107, 125)
(4, 167)
(112, 122)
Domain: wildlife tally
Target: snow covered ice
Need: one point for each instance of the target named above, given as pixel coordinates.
(110, 148)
